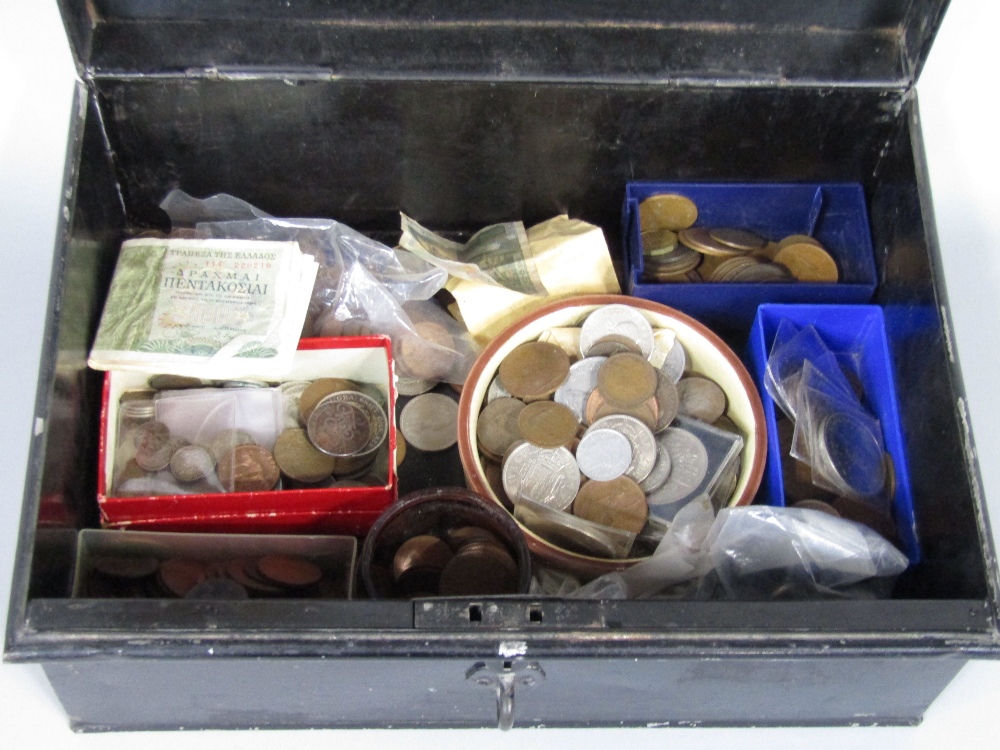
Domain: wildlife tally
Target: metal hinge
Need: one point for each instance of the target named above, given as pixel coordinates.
(503, 677)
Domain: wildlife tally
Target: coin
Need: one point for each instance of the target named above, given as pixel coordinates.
(796, 239)
(658, 242)
(626, 380)
(667, 402)
(647, 412)
(480, 569)
(191, 463)
(291, 391)
(852, 455)
(675, 363)
(245, 383)
(549, 476)
(740, 239)
(217, 588)
(428, 355)
(579, 384)
(178, 576)
(153, 448)
(547, 424)
(534, 370)
(672, 267)
(248, 468)
(620, 320)
(299, 459)
(422, 551)
(603, 454)
(223, 442)
(667, 211)
(289, 570)
(497, 428)
(613, 344)
(618, 503)
(641, 439)
(245, 572)
(659, 473)
(319, 389)
(458, 538)
(496, 390)
(165, 382)
(125, 566)
(400, 449)
(817, 505)
(701, 239)
(430, 422)
(413, 386)
(808, 262)
(348, 423)
(688, 466)
(493, 471)
(701, 399)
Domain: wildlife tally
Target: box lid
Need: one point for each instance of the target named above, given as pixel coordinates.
(717, 42)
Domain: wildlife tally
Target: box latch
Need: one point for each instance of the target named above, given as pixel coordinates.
(504, 677)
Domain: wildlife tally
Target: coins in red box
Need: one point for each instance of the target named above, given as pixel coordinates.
(248, 468)
(347, 423)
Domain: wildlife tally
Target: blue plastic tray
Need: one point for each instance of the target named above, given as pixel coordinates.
(833, 213)
(841, 326)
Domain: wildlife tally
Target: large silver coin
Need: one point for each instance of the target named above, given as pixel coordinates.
(639, 437)
(675, 363)
(548, 476)
(430, 422)
(851, 455)
(661, 470)
(688, 466)
(579, 384)
(616, 320)
(604, 455)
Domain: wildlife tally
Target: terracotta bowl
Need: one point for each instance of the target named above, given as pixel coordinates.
(707, 355)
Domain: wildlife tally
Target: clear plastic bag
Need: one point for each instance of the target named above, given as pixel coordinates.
(791, 349)
(363, 287)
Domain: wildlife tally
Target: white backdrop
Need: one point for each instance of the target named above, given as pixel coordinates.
(960, 125)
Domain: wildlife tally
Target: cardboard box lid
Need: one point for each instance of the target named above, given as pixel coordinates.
(880, 43)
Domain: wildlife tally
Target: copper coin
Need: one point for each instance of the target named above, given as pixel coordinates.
(613, 344)
(224, 441)
(244, 571)
(479, 570)
(289, 570)
(493, 471)
(808, 262)
(534, 370)
(740, 239)
(152, 446)
(428, 355)
(424, 551)
(667, 402)
(626, 380)
(319, 389)
(819, 505)
(248, 468)
(647, 412)
(179, 576)
(191, 463)
(547, 424)
(667, 211)
(347, 423)
(464, 535)
(700, 239)
(298, 458)
(700, 398)
(125, 566)
(497, 428)
(619, 503)
(658, 242)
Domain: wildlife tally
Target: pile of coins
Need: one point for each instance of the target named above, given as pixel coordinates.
(676, 251)
(611, 436)
(266, 576)
(334, 435)
(466, 561)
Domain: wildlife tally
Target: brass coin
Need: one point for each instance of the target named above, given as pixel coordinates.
(479, 569)
(289, 570)
(547, 424)
(299, 459)
(191, 463)
(739, 239)
(700, 398)
(808, 262)
(497, 428)
(534, 370)
(658, 242)
(400, 449)
(248, 468)
(347, 423)
(725, 270)
(619, 503)
(796, 239)
(889, 491)
(667, 211)
(319, 389)
(423, 551)
(430, 355)
(679, 262)
(626, 380)
(700, 239)
(761, 272)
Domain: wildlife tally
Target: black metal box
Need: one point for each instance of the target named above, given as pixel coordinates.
(465, 116)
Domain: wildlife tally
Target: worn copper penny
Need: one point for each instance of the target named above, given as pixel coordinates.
(808, 261)
(479, 569)
(534, 370)
(423, 551)
(319, 389)
(430, 422)
(700, 398)
(289, 570)
(347, 423)
(497, 428)
(619, 503)
(299, 459)
(626, 380)
(248, 468)
(667, 211)
(244, 571)
(430, 355)
(547, 424)
(178, 576)
(400, 449)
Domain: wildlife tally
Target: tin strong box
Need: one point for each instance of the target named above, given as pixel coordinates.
(462, 116)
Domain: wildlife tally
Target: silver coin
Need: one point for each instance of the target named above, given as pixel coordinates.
(639, 437)
(616, 320)
(604, 454)
(413, 386)
(579, 384)
(851, 455)
(290, 393)
(430, 422)
(688, 466)
(549, 476)
(245, 383)
(675, 363)
(496, 390)
(191, 463)
(661, 470)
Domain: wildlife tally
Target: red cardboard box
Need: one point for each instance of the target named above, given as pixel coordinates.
(328, 510)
